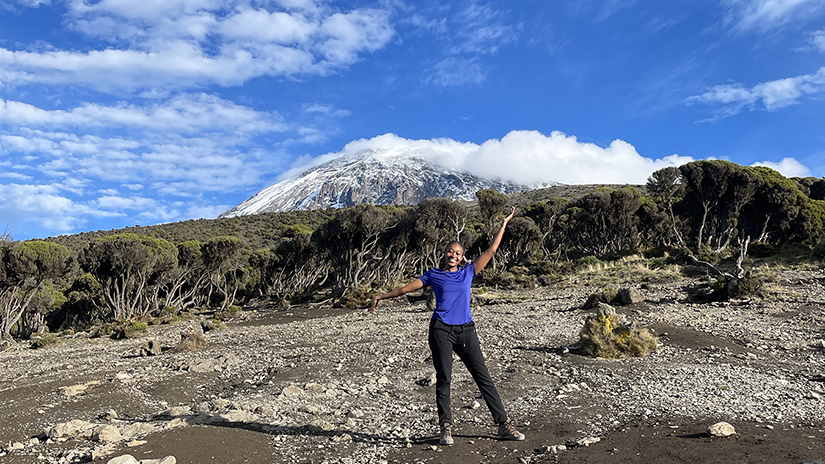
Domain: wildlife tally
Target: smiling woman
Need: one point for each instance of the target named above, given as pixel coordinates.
(452, 330)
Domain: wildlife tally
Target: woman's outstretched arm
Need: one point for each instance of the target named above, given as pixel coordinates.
(410, 287)
(481, 261)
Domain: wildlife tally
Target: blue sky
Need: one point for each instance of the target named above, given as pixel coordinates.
(118, 112)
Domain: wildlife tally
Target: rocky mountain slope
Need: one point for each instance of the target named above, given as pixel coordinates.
(376, 176)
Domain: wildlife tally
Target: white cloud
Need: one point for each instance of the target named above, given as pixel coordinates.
(184, 113)
(261, 25)
(328, 110)
(481, 30)
(774, 95)
(788, 167)
(817, 39)
(763, 15)
(526, 157)
(455, 72)
(160, 45)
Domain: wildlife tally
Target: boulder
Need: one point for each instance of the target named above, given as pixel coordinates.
(721, 429)
(631, 296)
(73, 429)
(107, 434)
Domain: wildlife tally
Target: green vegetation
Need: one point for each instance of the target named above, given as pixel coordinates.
(607, 334)
(725, 215)
(44, 341)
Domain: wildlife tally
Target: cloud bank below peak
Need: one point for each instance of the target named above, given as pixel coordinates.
(524, 157)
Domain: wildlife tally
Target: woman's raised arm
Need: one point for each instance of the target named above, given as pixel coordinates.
(481, 261)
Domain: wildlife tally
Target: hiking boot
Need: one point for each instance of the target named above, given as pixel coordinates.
(446, 435)
(508, 430)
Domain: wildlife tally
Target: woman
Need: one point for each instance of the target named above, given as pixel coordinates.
(452, 329)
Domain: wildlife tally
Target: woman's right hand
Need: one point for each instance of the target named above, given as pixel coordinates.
(373, 305)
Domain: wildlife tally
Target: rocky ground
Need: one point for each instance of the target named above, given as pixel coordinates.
(314, 385)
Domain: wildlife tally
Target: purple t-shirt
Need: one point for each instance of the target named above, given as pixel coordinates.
(452, 293)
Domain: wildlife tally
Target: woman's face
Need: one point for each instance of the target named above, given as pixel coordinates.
(453, 256)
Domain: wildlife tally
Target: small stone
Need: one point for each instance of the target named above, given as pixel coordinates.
(291, 391)
(320, 425)
(176, 411)
(383, 380)
(125, 459)
(587, 441)
(721, 429)
(135, 443)
(356, 414)
(17, 446)
(220, 404)
(475, 405)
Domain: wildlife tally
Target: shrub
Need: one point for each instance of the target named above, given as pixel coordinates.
(608, 334)
(589, 263)
(212, 324)
(130, 329)
(818, 253)
(357, 297)
(45, 340)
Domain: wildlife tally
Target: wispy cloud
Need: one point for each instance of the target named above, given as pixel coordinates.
(182, 113)
(817, 39)
(469, 31)
(764, 15)
(455, 72)
(773, 95)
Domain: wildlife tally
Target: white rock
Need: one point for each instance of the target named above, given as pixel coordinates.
(291, 391)
(107, 434)
(74, 428)
(125, 459)
(721, 429)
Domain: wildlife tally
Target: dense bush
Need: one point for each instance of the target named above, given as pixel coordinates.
(706, 209)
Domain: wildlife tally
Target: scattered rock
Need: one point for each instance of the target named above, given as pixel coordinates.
(80, 388)
(320, 425)
(72, 429)
(125, 459)
(721, 429)
(218, 364)
(176, 411)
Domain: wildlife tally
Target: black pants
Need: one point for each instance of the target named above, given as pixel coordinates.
(444, 339)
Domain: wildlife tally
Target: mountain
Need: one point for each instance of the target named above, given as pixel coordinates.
(376, 176)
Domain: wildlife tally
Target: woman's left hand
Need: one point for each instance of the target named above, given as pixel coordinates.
(510, 216)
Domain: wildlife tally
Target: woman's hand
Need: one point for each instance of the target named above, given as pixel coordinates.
(510, 216)
(373, 305)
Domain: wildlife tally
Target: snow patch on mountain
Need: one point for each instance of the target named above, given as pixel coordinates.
(379, 176)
